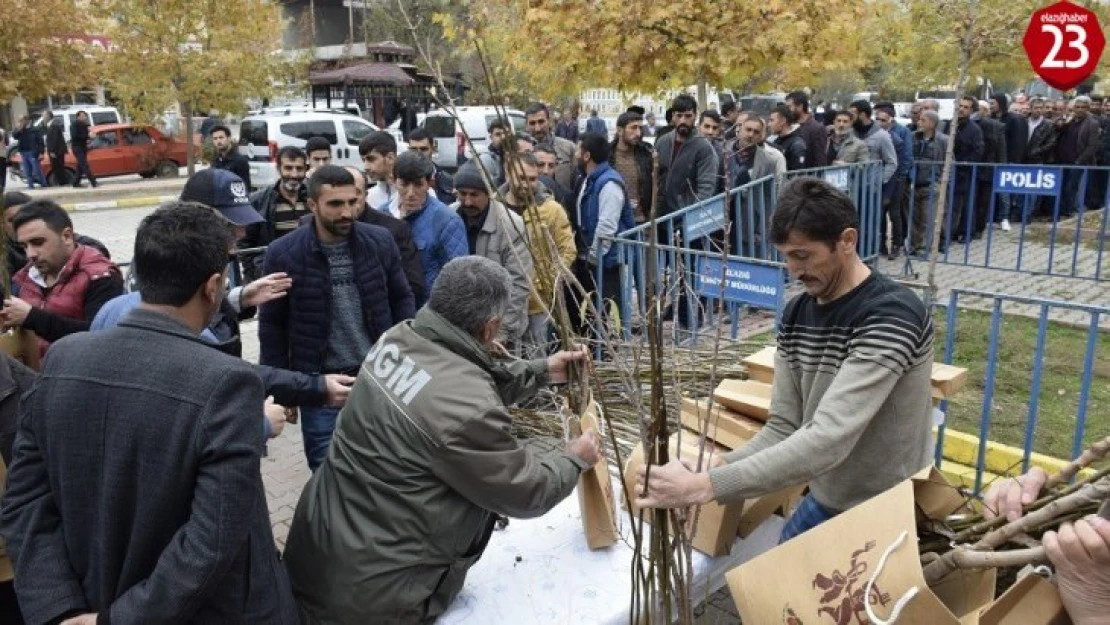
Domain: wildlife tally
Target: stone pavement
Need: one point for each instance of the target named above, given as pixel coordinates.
(1003, 263)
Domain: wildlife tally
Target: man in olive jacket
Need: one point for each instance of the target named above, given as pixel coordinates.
(422, 461)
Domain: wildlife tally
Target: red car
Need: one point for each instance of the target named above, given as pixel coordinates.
(121, 149)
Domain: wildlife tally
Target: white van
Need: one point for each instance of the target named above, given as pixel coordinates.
(262, 135)
(451, 144)
(97, 115)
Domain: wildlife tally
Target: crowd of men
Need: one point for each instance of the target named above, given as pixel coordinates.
(400, 315)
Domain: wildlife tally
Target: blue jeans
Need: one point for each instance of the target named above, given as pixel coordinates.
(32, 170)
(317, 425)
(809, 515)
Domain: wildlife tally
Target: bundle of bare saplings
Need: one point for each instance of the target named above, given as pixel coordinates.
(974, 542)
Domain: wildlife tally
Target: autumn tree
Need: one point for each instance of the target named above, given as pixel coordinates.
(201, 54)
(919, 42)
(562, 46)
(38, 54)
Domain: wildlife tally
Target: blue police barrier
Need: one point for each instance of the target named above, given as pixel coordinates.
(736, 222)
(1033, 200)
(1001, 305)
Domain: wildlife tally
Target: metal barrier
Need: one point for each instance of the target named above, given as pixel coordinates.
(990, 378)
(981, 195)
(753, 275)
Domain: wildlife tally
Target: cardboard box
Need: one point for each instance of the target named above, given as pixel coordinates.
(717, 524)
(1030, 601)
(758, 510)
(724, 426)
(761, 365)
(947, 380)
(748, 397)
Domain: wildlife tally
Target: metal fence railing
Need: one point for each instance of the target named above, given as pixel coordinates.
(691, 267)
(1048, 209)
(998, 350)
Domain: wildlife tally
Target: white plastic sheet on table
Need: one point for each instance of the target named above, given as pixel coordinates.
(559, 580)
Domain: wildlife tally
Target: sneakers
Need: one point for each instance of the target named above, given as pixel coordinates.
(1006, 225)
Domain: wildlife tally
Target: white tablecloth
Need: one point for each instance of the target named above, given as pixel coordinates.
(559, 580)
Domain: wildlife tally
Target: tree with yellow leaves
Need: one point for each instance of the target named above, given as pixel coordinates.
(921, 41)
(562, 46)
(203, 54)
(38, 54)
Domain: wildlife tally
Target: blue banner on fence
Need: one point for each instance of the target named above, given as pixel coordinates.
(705, 219)
(756, 285)
(837, 178)
(1028, 179)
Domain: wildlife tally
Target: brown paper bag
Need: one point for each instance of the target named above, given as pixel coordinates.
(1031, 601)
(595, 492)
(864, 558)
(716, 527)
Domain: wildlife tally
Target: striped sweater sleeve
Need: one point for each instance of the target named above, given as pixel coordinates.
(875, 356)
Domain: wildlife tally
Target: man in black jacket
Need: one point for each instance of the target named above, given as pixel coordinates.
(79, 141)
(402, 235)
(813, 132)
(56, 147)
(348, 288)
(1017, 139)
(1078, 144)
(968, 149)
(227, 155)
(994, 151)
(788, 138)
(187, 538)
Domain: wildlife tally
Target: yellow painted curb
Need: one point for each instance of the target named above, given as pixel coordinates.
(1001, 459)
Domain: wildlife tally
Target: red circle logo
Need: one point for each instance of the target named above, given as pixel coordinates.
(1064, 42)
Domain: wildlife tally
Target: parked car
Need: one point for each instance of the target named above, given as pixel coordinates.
(451, 144)
(98, 115)
(261, 136)
(122, 149)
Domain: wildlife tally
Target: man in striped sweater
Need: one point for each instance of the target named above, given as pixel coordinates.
(851, 405)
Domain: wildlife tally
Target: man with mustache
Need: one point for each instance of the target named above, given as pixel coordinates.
(282, 206)
(348, 289)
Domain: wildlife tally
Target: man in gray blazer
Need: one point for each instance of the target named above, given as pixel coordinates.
(135, 493)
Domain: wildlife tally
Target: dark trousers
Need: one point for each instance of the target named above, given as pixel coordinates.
(82, 157)
(960, 213)
(924, 202)
(1096, 189)
(983, 192)
(57, 170)
(1069, 199)
(9, 606)
(894, 209)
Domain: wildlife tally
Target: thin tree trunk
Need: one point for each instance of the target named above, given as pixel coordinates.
(190, 160)
(941, 214)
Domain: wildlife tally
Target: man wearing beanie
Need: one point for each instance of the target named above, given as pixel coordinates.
(496, 233)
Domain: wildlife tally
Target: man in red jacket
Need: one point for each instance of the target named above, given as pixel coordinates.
(64, 283)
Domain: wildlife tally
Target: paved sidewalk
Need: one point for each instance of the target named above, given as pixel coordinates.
(111, 193)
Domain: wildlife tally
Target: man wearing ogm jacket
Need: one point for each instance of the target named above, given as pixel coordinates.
(422, 461)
